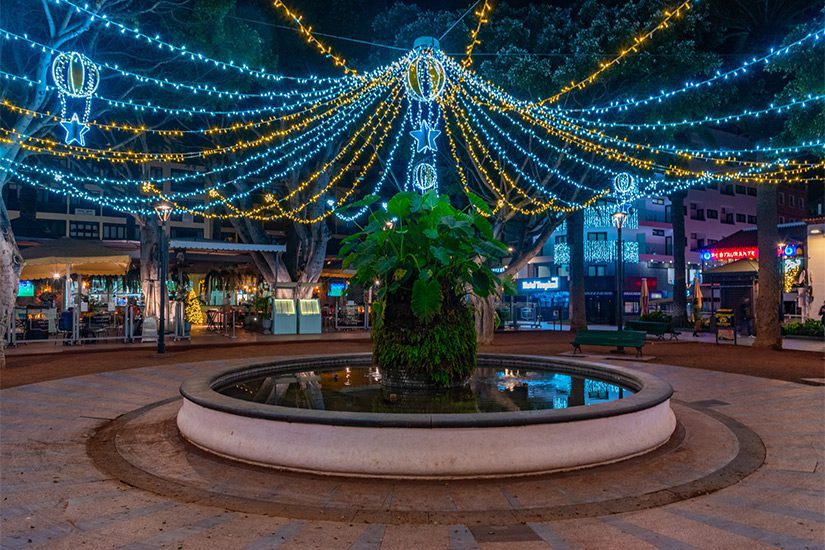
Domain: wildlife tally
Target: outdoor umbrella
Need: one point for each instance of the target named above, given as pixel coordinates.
(80, 257)
(644, 298)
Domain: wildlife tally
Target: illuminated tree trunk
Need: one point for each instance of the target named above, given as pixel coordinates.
(768, 329)
(677, 214)
(485, 318)
(575, 240)
(10, 265)
(150, 264)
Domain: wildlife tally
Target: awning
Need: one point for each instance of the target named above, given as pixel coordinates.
(87, 258)
(739, 266)
(221, 246)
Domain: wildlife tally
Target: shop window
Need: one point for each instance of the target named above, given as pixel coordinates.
(595, 271)
(84, 230)
(113, 231)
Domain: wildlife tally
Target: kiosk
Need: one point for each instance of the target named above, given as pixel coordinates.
(309, 316)
(284, 317)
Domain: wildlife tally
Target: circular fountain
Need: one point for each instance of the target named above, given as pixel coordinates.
(519, 415)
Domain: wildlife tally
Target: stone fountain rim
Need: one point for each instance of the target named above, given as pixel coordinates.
(649, 391)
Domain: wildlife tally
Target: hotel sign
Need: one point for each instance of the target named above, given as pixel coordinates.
(542, 284)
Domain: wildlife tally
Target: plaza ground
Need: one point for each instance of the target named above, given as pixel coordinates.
(91, 458)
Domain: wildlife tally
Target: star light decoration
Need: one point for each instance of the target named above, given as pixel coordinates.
(75, 76)
(75, 130)
(425, 138)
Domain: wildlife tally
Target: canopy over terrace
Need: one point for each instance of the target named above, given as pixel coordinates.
(62, 256)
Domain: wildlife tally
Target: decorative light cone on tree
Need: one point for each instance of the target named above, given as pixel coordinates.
(194, 312)
(423, 257)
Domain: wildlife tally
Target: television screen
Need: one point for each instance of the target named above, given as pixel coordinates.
(337, 289)
(25, 288)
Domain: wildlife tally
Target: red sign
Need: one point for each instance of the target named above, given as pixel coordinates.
(723, 254)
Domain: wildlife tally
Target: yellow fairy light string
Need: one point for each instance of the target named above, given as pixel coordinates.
(637, 42)
(272, 203)
(310, 38)
(483, 17)
(121, 155)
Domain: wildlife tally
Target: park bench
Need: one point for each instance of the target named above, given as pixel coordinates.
(654, 328)
(610, 338)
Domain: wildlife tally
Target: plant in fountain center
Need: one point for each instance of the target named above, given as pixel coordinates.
(423, 258)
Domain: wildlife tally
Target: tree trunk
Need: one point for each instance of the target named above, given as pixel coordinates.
(150, 264)
(677, 214)
(575, 240)
(768, 330)
(485, 318)
(10, 266)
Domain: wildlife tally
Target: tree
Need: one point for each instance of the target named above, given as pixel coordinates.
(575, 240)
(677, 215)
(768, 330)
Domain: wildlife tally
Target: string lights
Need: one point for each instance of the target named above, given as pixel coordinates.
(347, 126)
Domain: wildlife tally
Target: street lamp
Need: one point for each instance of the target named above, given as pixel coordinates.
(164, 211)
(619, 219)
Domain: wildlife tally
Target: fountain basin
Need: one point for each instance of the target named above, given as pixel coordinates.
(427, 445)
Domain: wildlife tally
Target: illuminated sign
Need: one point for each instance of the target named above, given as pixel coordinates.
(749, 252)
(724, 254)
(538, 285)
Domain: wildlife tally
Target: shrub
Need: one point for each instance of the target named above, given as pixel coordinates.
(658, 316)
(423, 257)
(811, 327)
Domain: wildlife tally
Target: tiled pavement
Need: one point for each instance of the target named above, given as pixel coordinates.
(52, 495)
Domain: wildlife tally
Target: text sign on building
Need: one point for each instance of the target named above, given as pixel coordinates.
(723, 254)
(538, 285)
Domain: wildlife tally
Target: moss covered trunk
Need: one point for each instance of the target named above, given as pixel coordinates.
(416, 354)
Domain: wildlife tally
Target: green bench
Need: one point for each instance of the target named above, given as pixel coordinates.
(654, 328)
(610, 338)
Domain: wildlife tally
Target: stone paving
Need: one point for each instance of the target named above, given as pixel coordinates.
(54, 496)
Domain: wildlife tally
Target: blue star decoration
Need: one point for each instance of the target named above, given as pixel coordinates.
(425, 137)
(75, 130)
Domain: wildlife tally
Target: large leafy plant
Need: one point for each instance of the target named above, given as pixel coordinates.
(423, 257)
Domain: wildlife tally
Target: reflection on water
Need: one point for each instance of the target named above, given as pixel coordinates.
(359, 389)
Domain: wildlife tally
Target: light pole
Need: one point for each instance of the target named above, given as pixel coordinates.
(619, 219)
(164, 211)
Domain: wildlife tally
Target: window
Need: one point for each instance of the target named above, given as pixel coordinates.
(597, 236)
(700, 243)
(791, 201)
(658, 201)
(781, 198)
(155, 172)
(114, 231)
(741, 190)
(752, 191)
(668, 246)
(595, 271)
(781, 219)
(84, 230)
(561, 239)
(727, 218)
(740, 218)
(712, 214)
(712, 241)
(658, 232)
(727, 189)
(801, 202)
(752, 220)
